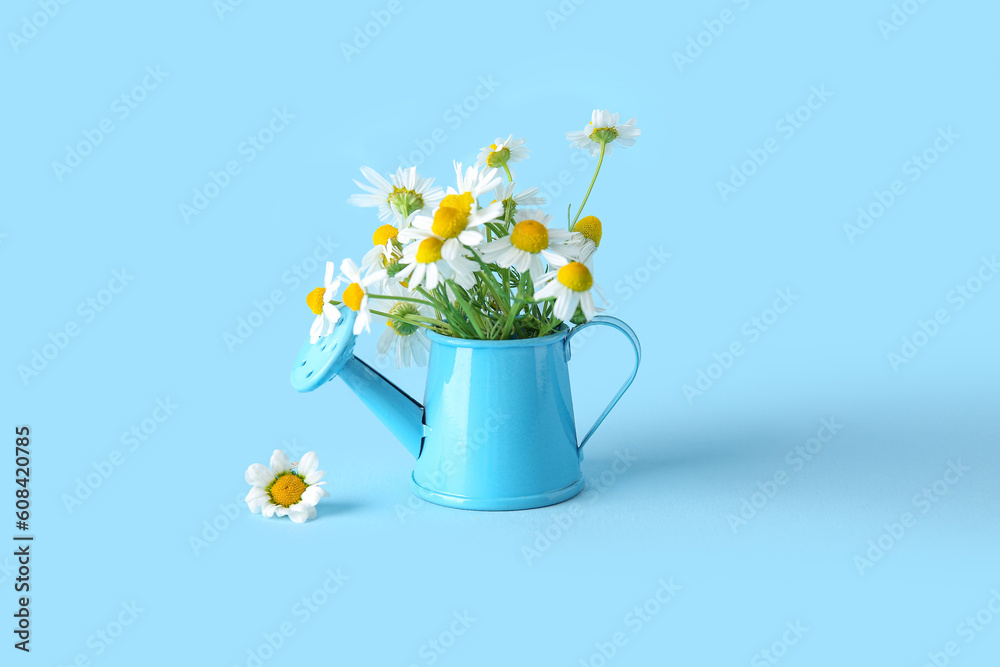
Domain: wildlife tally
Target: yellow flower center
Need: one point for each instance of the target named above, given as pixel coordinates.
(590, 226)
(315, 300)
(530, 235)
(462, 202)
(429, 250)
(383, 234)
(575, 276)
(449, 222)
(287, 489)
(352, 296)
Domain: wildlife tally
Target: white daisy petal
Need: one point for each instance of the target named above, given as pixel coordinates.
(300, 512)
(317, 475)
(258, 475)
(308, 465)
(280, 462)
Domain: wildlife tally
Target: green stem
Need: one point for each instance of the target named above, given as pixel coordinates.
(401, 298)
(596, 171)
(412, 319)
(471, 313)
(509, 177)
(437, 303)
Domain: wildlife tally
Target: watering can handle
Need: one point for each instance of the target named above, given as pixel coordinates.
(615, 323)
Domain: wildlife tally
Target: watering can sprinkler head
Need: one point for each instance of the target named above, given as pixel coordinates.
(323, 360)
(333, 356)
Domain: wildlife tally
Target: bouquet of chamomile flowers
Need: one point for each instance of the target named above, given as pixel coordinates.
(451, 263)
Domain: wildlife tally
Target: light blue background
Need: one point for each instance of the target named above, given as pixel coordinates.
(665, 517)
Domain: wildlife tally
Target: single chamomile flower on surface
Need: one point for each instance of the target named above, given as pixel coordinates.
(319, 302)
(404, 192)
(355, 295)
(508, 198)
(407, 342)
(604, 129)
(286, 488)
(531, 244)
(425, 265)
(570, 285)
(502, 152)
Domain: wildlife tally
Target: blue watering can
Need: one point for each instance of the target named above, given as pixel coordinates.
(497, 432)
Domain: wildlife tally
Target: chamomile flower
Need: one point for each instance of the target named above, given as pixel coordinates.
(590, 227)
(407, 342)
(355, 295)
(604, 128)
(286, 488)
(570, 285)
(588, 232)
(425, 265)
(470, 185)
(319, 302)
(502, 152)
(531, 244)
(508, 198)
(404, 192)
(456, 227)
(385, 243)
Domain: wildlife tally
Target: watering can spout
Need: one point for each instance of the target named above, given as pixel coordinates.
(332, 356)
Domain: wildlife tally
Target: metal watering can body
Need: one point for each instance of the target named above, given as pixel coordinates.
(497, 431)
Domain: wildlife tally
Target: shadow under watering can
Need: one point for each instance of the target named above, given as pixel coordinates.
(497, 431)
